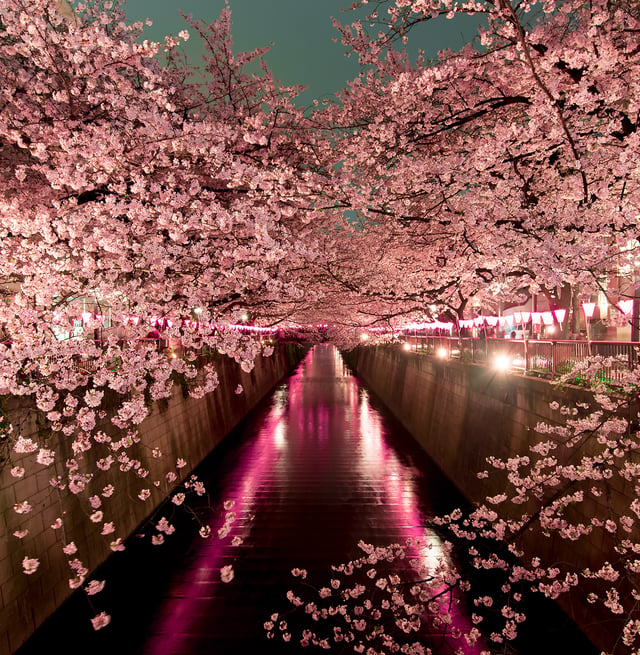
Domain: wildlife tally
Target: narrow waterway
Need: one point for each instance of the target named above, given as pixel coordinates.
(318, 467)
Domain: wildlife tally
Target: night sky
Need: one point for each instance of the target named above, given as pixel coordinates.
(300, 34)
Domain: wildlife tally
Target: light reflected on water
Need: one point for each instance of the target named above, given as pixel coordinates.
(316, 469)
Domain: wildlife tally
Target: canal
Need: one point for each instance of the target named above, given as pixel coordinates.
(318, 467)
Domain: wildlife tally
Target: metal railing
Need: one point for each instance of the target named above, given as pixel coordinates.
(544, 358)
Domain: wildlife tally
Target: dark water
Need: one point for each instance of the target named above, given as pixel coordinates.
(316, 468)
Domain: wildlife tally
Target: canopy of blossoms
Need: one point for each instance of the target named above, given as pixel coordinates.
(142, 199)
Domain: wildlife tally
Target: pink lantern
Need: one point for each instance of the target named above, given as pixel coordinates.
(560, 314)
(518, 317)
(525, 317)
(588, 308)
(536, 318)
(547, 318)
(492, 320)
(626, 306)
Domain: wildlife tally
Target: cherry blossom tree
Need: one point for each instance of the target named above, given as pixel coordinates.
(141, 195)
(133, 199)
(502, 170)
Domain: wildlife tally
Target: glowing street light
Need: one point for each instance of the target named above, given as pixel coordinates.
(502, 363)
(442, 353)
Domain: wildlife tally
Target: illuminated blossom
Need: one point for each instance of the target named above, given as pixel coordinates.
(45, 457)
(178, 499)
(30, 565)
(22, 508)
(70, 548)
(100, 620)
(23, 445)
(107, 492)
(94, 587)
(226, 573)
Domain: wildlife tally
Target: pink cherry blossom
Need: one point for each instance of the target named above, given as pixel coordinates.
(226, 573)
(30, 565)
(100, 620)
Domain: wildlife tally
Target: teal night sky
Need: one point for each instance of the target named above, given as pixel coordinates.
(300, 34)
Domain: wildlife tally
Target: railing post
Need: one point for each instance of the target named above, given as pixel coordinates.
(553, 359)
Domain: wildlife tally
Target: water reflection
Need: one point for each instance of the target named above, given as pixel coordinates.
(318, 473)
(317, 469)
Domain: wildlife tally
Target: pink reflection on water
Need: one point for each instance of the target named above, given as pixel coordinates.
(322, 434)
(173, 623)
(398, 490)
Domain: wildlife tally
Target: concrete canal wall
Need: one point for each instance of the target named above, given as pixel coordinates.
(461, 414)
(179, 427)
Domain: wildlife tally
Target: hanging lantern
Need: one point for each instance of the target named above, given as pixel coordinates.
(560, 315)
(626, 306)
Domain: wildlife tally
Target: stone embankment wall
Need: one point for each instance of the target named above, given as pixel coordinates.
(179, 427)
(461, 414)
